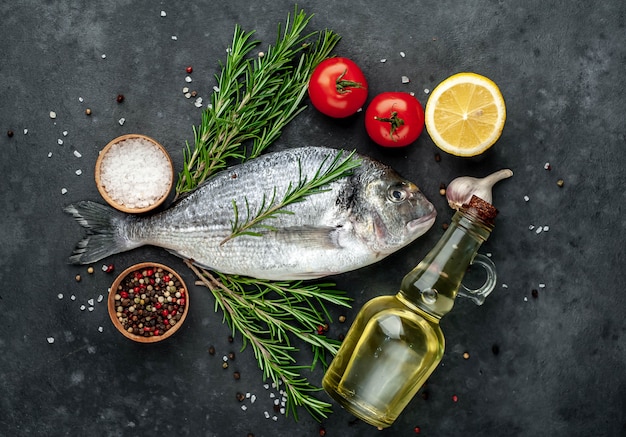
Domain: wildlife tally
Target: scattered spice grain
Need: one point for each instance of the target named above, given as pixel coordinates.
(9, 133)
(120, 98)
(560, 183)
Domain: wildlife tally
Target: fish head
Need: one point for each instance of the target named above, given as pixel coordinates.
(393, 212)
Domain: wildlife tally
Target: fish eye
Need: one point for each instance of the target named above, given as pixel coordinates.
(396, 195)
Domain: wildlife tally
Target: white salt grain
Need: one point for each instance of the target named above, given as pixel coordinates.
(252, 399)
(135, 173)
(81, 100)
(546, 166)
(90, 309)
(244, 408)
(282, 411)
(100, 329)
(163, 14)
(188, 95)
(90, 302)
(50, 340)
(272, 395)
(426, 90)
(266, 414)
(63, 190)
(276, 401)
(542, 285)
(185, 90)
(188, 79)
(53, 115)
(531, 227)
(526, 198)
(82, 307)
(505, 286)
(100, 297)
(73, 297)
(405, 79)
(546, 228)
(198, 102)
(121, 121)
(60, 142)
(525, 299)
(65, 133)
(266, 386)
(25, 131)
(274, 418)
(216, 88)
(383, 61)
(104, 56)
(539, 230)
(402, 54)
(174, 38)
(78, 172)
(77, 154)
(60, 295)
(49, 154)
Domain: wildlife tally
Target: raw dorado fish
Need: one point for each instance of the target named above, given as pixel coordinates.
(359, 220)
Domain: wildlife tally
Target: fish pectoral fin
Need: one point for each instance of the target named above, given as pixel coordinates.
(325, 237)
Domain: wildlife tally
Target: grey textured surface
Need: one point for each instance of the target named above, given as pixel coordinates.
(560, 366)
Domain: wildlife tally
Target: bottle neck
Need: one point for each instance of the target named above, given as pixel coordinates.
(433, 284)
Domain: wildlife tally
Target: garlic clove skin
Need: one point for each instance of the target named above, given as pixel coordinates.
(461, 189)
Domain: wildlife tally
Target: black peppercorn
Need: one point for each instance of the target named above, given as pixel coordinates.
(534, 293)
(212, 350)
(230, 339)
(236, 375)
(240, 397)
(231, 356)
(120, 98)
(9, 133)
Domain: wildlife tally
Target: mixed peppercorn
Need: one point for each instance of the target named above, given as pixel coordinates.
(150, 302)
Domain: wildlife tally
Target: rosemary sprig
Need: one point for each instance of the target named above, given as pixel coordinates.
(256, 97)
(267, 314)
(338, 168)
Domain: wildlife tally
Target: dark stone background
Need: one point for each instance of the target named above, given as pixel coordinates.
(560, 66)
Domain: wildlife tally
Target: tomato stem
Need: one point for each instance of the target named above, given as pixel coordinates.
(343, 86)
(394, 120)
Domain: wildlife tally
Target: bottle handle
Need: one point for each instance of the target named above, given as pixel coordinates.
(479, 295)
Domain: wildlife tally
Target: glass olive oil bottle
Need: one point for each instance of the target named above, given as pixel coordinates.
(395, 342)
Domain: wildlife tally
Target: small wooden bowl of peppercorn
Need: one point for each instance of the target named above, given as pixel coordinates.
(148, 302)
(134, 173)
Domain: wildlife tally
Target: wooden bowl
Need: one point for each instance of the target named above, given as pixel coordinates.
(103, 189)
(156, 333)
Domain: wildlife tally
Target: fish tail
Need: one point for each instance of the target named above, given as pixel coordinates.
(105, 232)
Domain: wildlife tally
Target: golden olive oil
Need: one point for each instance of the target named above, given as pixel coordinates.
(395, 342)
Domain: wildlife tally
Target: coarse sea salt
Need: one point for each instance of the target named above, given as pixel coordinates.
(135, 173)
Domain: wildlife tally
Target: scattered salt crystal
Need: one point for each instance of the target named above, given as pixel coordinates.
(60, 295)
(50, 340)
(81, 100)
(77, 154)
(252, 399)
(531, 227)
(274, 418)
(174, 38)
(525, 299)
(405, 79)
(104, 56)
(272, 395)
(546, 166)
(90, 308)
(100, 297)
(216, 88)
(505, 286)
(224, 358)
(412, 93)
(488, 254)
(266, 414)
(526, 198)
(104, 267)
(90, 302)
(63, 190)
(73, 297)
(188, 79)
(49, 154)
(546, 228)
(64, 133)
(266, 386)
(273, 385)
(188, 95)
(248, 395)
(402, 54)
(244, 408)
(82, 307)
(276, 401)
(383, 60)
(53, 115)
(542, 285)
(185, 90)
(121, 121)
(163, 14)
(100, 329)
(198, 102)
(282, 411)
(539, 230)
(426, 90)
(25, 131)
(78, 172)
(60, 142)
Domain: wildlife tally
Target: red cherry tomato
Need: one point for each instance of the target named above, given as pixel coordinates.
(338, 87)
(394, 119)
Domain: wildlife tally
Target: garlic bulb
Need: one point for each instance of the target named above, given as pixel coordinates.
(461, 189)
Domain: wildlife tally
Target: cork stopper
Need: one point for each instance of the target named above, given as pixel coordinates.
(484, 210)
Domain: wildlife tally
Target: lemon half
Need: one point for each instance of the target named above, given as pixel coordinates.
(465, 114)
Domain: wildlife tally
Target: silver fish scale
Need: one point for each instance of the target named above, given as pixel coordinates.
(198, 223)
